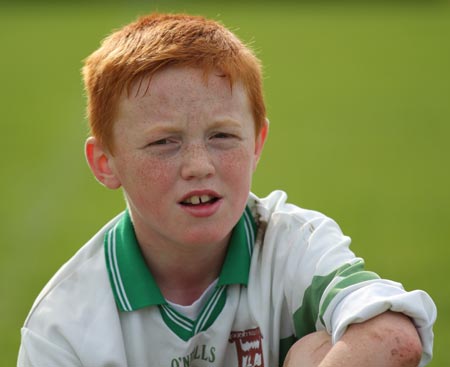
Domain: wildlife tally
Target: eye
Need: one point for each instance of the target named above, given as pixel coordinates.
(224, 139)
(222, 135)
(164, 141)
(161, 142)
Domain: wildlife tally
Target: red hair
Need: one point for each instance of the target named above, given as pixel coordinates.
(160, 40)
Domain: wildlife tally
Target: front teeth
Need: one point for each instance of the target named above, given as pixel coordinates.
(205, 198)
(195, 200)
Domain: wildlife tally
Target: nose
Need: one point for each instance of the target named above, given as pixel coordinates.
(197, 162)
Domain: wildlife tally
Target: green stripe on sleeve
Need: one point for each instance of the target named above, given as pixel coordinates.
(355, 278)
(305, 318)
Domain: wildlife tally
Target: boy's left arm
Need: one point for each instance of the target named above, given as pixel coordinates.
(388, 340)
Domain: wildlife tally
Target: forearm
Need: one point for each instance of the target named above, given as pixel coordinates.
(388, 340)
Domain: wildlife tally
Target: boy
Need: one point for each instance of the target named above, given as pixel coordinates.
(198, 271)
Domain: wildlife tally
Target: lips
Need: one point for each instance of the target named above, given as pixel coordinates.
(201, 203)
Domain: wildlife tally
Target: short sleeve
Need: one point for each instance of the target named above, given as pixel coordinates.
(36, 351)
(371, 299)
(328, 288)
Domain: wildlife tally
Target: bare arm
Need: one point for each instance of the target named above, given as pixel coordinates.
(388, 340)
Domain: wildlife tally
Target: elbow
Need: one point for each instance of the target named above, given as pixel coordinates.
(404, 346)
(392, 337)
(406, 349)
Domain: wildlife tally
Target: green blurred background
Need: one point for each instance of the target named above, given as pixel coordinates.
(359, 102)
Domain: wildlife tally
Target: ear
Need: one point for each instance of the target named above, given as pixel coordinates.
(100, 162)
(260, 140)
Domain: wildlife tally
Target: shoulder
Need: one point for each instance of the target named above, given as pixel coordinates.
(74, 320)
(74, 288)
(275, 214)
(299, 241)
(276, 205)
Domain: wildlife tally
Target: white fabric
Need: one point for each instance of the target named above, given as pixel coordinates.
(75, 321)
(192, 311)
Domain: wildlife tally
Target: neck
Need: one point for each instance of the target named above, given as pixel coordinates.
(183, 272)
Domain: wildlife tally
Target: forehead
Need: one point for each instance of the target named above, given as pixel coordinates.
(180, 89)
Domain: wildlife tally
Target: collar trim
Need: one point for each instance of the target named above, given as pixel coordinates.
(131, 281)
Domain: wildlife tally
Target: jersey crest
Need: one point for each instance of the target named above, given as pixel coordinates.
(248, 347)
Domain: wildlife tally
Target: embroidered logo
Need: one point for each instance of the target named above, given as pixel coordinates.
(249, 347)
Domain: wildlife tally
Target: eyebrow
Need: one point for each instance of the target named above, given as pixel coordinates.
(161, 127)
(226, 122)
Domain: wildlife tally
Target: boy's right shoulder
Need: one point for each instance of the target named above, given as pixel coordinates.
(78, 280)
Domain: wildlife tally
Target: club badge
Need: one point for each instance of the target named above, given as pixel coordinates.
(249, 347)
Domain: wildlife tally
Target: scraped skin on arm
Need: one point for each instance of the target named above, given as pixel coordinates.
(388, 340)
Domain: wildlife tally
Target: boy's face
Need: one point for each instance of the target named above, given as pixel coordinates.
(185, 154)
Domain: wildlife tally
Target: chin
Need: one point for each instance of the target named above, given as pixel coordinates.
(200, 238)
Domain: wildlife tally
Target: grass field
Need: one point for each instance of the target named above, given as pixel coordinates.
(359, 103)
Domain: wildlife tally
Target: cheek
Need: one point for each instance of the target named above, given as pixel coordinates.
(238, 166)
(152, 172)
(149, 180)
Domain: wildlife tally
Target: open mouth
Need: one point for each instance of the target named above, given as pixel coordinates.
(199, 200)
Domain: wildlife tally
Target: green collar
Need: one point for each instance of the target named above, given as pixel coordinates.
(133, 284)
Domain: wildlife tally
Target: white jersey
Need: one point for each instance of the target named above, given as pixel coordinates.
(287, 272)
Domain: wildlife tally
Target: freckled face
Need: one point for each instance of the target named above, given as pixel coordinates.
(185, 154)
